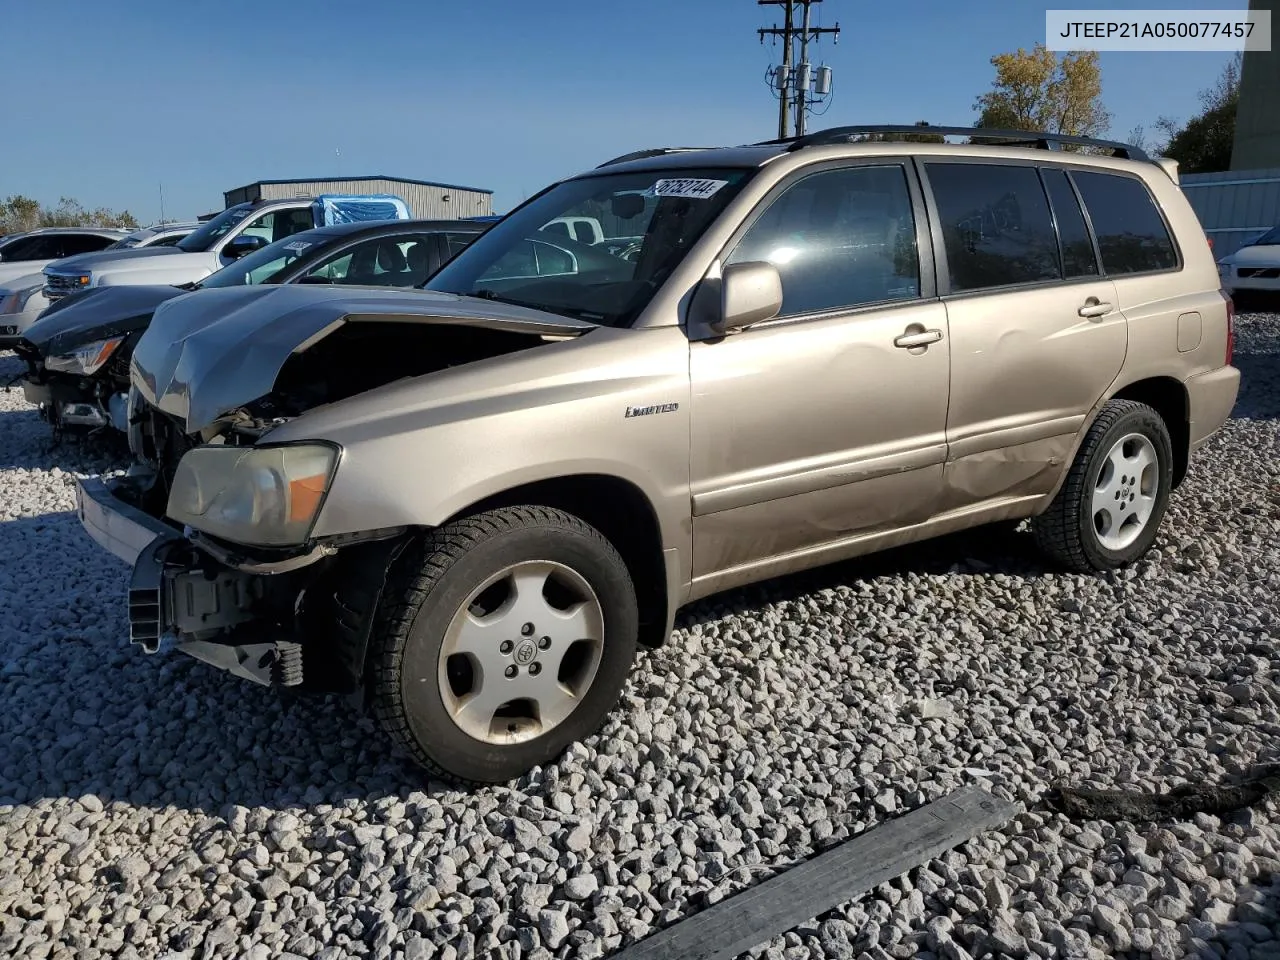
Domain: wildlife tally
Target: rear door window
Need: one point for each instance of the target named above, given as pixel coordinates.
(1078, 259)
(1132, 236)
(996, 226)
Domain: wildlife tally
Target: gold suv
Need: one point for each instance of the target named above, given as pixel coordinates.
(682, 371)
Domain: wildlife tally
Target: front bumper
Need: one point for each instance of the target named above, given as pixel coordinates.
(261, 620)
(177, 601)
(14, 325)
(66, 400)
(1266, 280)
(118, 527)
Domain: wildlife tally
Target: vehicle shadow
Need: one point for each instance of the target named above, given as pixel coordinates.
(100, 717)
(1259, 397)
(1252, 924)
(94, 715)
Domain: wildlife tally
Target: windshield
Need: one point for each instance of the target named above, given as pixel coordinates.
(638, 227)
(214, 230)
(129, 242)
(1269, 239)
(265, 265)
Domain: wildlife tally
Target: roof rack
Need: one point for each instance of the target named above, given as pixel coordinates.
(642, 154)
(1026, 138)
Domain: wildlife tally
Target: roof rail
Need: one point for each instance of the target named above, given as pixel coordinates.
(642, 154)
(1028, 138)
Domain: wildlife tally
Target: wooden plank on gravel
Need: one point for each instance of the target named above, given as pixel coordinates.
(769, 909)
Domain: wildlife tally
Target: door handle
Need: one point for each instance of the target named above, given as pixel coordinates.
(917, 338)
(1094, 308)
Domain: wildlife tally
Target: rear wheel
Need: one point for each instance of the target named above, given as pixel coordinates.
(1109, 509)
(503, 639)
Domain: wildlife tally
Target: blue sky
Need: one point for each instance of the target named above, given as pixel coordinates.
(106, 101)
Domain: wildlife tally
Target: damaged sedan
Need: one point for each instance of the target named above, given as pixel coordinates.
(78, 352)
(469, 505)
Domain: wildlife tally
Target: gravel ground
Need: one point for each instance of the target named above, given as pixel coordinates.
(150, 806)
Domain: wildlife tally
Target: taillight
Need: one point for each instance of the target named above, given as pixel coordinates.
(1231, 326)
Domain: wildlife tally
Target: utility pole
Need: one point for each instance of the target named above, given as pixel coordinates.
(802, 88)
(793, 80)
(784, 73)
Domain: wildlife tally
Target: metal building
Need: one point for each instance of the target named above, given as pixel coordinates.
(427, 199)
(1234, 206)
(1257, 140)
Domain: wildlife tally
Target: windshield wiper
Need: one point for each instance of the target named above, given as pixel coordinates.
(564, 310)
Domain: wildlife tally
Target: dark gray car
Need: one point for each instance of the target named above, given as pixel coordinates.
(78, 352)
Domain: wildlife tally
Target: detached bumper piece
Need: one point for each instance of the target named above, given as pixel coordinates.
(182, 599)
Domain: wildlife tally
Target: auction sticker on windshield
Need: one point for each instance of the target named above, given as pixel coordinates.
(297, 246)
(693, 187)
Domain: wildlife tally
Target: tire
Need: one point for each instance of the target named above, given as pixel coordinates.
(432, 664)
(1070, 532)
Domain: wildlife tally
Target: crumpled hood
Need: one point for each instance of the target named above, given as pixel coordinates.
(215, 350)
(113, 258)
(1268, 256)
(95, 315)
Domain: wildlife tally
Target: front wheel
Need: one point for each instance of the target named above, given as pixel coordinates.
(1109, 509)
(502, 639)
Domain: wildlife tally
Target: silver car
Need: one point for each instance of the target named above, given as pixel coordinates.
(472, 503)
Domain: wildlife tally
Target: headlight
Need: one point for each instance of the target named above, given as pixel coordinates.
(264, 496)
(84, 360)
(15, 301)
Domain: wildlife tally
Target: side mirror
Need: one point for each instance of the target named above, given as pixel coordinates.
(750, 293)
(242, 245)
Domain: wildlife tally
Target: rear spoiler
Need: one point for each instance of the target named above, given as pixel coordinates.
(1169, 166)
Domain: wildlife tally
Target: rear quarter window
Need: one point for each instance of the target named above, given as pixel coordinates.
(1132, 236)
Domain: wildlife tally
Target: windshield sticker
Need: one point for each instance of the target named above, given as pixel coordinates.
(695, 188)
(297, 246)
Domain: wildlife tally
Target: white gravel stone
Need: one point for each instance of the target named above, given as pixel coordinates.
(160, 807)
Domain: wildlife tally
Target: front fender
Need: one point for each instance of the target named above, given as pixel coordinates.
(418, 452)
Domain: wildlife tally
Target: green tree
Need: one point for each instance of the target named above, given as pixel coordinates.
(1203, 144)
(19, 213)
(1042, 91)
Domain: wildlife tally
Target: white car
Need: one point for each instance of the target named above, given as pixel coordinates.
(34, 250)
(28, 254)
(160, 235)
(1254, 268)
(21, 302)
(236, 231)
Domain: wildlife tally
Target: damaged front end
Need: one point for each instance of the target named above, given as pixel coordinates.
(78, 355)
(216, 519)
(87, 388)
(278, 617)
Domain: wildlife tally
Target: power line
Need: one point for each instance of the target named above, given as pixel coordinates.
(794, 80)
